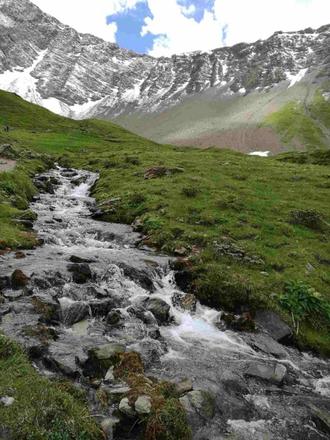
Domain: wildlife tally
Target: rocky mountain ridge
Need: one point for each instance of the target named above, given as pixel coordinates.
(79, 75)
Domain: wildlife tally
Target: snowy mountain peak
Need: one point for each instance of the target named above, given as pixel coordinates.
(80, 75)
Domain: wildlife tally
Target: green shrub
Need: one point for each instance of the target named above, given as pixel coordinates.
(190, 192)
(137, 199)
(304, 304)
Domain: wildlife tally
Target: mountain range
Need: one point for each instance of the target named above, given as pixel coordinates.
(222, 98)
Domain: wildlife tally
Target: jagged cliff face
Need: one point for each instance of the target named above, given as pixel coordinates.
(80, 75)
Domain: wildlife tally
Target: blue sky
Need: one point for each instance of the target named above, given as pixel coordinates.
(129, 24)
(166, 27)
(131, 21)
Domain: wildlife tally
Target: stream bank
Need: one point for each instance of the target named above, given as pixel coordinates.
(90, 294)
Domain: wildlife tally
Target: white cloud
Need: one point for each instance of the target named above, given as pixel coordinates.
(179, 32)
(88, 16)
(244, 20)
(175, 29)
(251, 20)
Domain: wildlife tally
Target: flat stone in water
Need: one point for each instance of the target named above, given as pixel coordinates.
(107, 351)
(273, 373)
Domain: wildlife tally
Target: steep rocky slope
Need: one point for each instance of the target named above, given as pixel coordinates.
(81, 76)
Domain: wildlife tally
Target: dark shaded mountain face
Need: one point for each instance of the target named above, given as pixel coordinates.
(80, 75)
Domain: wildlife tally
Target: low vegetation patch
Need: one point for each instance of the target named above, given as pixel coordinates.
(167, 419)
(41, 410)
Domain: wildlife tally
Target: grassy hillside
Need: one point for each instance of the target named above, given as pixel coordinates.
(305, 125)
(215, 118)
(247, 225)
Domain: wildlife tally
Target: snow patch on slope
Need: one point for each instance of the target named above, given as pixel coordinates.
(6, 21)
(260, 153)
(295, 78)
(56, 106)
(82, 111)
(22, 82)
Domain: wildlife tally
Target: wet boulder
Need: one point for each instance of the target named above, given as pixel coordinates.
(74, 312)
(274, 373)
(102, 307)
(148, 318)
(159, 308)
(114, 318)
(268, 345)
(47, 307)
(19, 279)
(273, 324)
(101, 358)
(139, 276)
(81, 273)
(199, 406)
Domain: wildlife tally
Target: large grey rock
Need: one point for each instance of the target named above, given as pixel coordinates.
(75, 312)
(269, 372)
(199, 404)
(268, 345)
(81, 273)
(159, 308)
(274, 325)
(101, 358)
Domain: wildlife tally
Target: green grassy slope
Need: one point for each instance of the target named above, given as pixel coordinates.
(218, 196)
(205, 119)
(308, 125)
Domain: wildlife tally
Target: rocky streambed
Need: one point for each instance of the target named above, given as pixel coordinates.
(90, 293)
